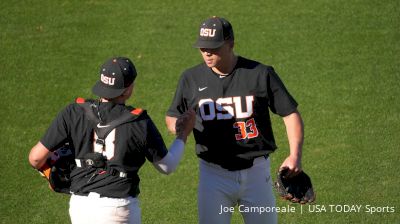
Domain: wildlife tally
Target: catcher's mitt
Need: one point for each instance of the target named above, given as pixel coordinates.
(297, 189)
(57, 169)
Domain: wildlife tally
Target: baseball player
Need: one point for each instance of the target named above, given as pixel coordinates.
(105, 181)
(232, 96)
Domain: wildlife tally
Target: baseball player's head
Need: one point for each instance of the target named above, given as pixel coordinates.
(116, 79)
(213, 33)
(215, 41)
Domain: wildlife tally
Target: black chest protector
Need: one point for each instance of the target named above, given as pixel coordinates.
(101, 129)
(95, 159)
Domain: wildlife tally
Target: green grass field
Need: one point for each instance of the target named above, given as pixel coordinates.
(340, 59)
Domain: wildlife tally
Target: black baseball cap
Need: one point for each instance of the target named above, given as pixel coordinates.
(213, 32)
(116, 75)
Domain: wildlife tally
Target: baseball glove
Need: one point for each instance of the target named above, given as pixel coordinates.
(297, 189)
(57, 169)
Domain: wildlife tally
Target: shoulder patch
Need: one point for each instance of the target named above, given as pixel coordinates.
(137, 111)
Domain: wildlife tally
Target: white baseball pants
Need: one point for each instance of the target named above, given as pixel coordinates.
(222, 192)
(99, 210)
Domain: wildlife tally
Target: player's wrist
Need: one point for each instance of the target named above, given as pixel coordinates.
(295, 156)
(179, 141)
(182, 137)
(295, 153)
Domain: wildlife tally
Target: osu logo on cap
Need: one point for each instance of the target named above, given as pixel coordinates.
(207, 32)
(107, 80)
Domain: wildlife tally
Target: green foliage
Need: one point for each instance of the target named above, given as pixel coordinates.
(340, 59)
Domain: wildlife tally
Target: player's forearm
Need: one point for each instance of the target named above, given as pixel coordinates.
(170, 161)
(182, 137)
(295, 132)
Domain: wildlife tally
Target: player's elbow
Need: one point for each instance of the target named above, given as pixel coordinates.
(167, 172)
(38, 156)
(34, 161)
(165, 169)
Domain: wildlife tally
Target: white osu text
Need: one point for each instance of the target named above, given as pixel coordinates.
(206, 32)
(227, 108)
(107, 80)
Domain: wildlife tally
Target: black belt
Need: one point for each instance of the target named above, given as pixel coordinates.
(82, 163)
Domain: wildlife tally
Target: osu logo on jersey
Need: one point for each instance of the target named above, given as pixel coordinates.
(227, 108)
(206, 32)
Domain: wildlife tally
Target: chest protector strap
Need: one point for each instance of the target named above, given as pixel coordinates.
(102, 130)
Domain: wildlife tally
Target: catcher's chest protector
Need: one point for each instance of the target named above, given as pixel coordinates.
(57, 172)
(105, 129)
(96, 159)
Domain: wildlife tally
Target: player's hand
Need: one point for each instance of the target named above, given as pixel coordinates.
(185, 124)
(293, 163)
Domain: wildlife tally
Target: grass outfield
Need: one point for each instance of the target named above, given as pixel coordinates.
(340, 59)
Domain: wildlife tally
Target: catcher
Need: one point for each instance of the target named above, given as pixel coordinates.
(110, 141)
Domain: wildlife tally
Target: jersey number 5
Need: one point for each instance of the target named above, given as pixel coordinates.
(246, 130)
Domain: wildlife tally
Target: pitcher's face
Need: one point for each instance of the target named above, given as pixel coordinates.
(216, 57)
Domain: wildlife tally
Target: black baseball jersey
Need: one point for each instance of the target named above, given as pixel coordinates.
(127, 148)
(233, 123)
